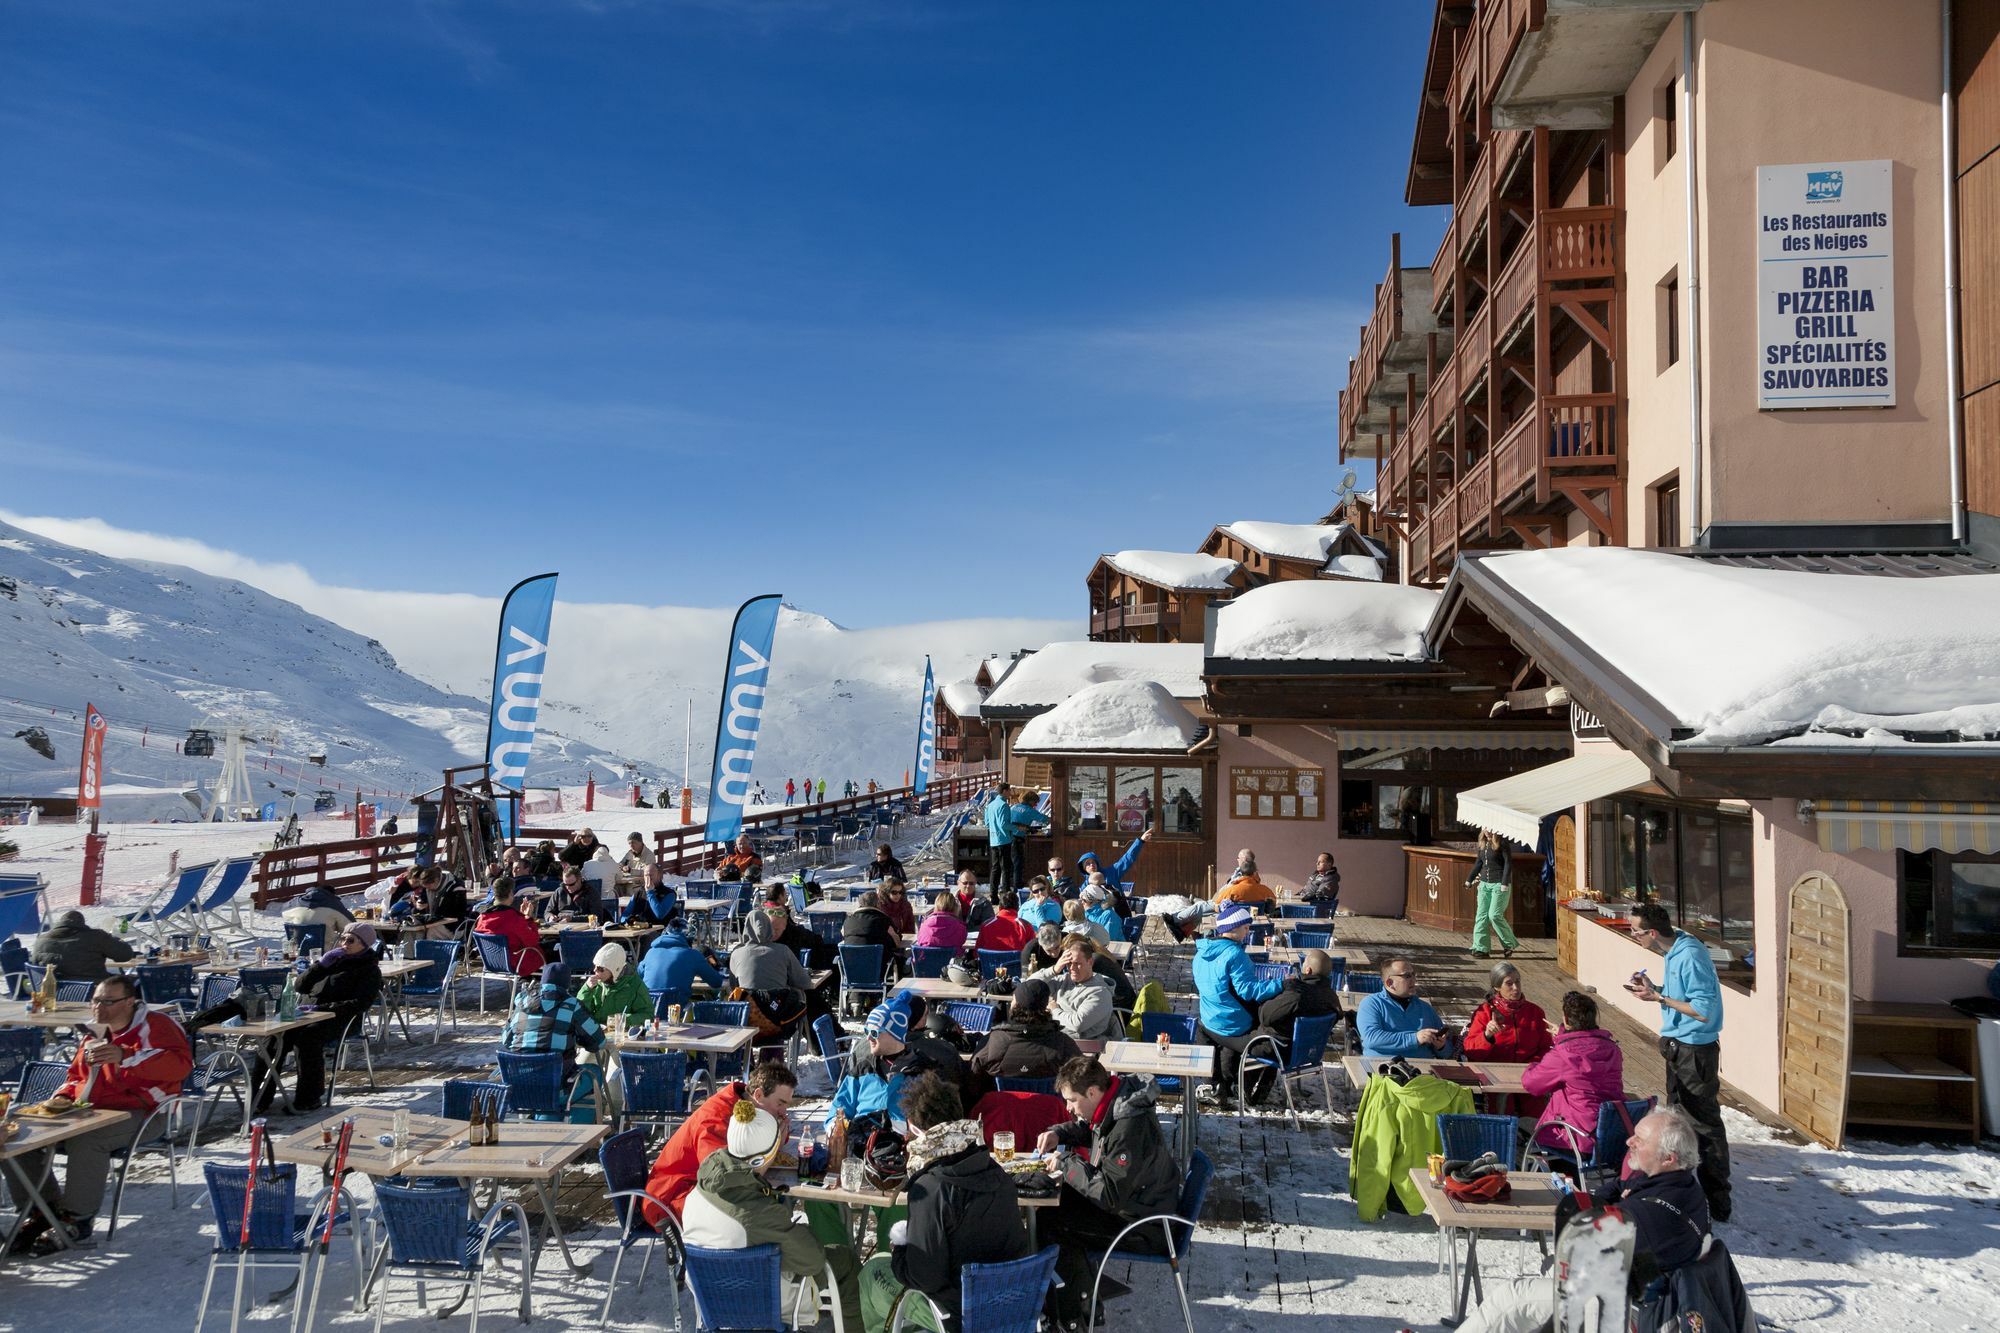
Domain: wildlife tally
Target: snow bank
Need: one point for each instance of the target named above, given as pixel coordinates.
(1742, 656)
(1114, 715)
(962, 697)
(1355, 567)
(1061, 669)
(1288, 541)
(1175, 569)
(1326, 620)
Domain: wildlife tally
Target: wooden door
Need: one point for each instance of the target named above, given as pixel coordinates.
(1565, 854)
(1818, 1019)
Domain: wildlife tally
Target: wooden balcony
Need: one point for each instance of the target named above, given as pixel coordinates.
(1514, 294)
(1475, 197)
(1514, 458)
(1475, 349)
(1443, 265)
(1117, 619)
(1501, 25)
(1581, 433)
(1579, 244)
(1474, 498)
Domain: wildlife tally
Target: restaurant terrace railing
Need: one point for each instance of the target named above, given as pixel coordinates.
(355, 864)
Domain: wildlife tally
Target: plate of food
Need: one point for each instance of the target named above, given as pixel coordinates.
(55, 1108)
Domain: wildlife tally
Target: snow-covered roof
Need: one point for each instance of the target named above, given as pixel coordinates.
(1743, 656)
(1288, 541)
(1061, 669)
(962, 697)
(1354, 567)
(1114, 715)
(1175, 569)
(1326, 620)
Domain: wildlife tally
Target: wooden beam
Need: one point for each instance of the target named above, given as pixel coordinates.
(1588, 322)
(1549, 696)
(1527, 527)
(1579, 492)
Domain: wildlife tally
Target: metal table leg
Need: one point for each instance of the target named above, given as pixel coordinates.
(1466, 1282)
(36, 1203)
(544, 1190)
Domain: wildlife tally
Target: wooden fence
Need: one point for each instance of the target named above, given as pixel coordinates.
(355, 864)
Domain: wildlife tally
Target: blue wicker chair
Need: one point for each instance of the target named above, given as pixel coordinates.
(626, 1167)
(280, 1235)
(431, 1236)
(993, 1298)
(1178, 1227)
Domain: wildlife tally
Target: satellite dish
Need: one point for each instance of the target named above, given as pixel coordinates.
(1347, 480)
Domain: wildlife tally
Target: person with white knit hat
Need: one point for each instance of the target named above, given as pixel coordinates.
(612, 988)
(733, 1207)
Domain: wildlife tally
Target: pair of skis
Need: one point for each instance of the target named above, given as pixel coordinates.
(264, 1160)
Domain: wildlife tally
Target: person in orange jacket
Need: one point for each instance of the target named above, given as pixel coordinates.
(1244, 886)
(137, 1069)
(771, 1085)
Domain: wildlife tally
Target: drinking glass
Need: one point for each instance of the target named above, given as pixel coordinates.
(853, 1175)
(399, 1128)
(1003, 1144)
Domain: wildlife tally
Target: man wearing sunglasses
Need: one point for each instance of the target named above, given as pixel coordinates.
(134, 1062)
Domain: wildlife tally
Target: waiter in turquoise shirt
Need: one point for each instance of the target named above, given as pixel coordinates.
(1690, 1000)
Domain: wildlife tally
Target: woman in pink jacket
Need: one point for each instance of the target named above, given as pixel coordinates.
(1583, 1069)
(943, 928)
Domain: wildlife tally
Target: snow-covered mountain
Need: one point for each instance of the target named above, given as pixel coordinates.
(166, 647)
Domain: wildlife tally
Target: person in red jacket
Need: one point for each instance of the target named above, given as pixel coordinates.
(1507, 1028)
(771, 1085)
(1006, 930)
(524, 942)
(137, 1069)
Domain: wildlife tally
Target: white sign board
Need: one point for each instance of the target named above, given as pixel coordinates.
(1826, 308)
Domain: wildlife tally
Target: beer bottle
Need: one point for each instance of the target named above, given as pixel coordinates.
(476, 1135)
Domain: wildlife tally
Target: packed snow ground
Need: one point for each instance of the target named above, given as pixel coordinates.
(1873, 1237)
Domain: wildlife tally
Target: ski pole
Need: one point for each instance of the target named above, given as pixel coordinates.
(249, 1197)
(332, 1210)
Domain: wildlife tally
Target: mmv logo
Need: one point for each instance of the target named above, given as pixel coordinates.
(1823, 187)
(517, 706)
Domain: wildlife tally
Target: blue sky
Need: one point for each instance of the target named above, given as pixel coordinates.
(694, 300)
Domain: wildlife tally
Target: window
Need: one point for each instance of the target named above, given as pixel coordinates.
(1951, 902)
(1667, 512)
(1412, 795)
(1088, 803)
(1667, 322)
(1129, 798)
(1693, 860)
(1666, 124)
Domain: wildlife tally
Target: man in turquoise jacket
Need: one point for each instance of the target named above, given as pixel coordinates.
(1395, 1022)
(1690, 1000)
(1230, 992)
(998, 812)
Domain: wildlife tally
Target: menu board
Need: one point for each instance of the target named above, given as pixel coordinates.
(1276, 793)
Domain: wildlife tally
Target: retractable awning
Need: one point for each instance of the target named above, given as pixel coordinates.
(1911, 826)
(1513, 807)
(1444, 738)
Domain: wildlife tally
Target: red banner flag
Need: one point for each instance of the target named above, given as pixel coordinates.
(90, 775)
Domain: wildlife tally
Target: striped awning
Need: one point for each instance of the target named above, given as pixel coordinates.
(1911, 826)
(1513, 807)
(1445, 738)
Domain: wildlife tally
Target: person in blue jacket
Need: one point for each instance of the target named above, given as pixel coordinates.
(1230, 993)
(1115, 873)
(890, 1056)
(673, 964)
(1395, 1021)
(1043, 907)
(1097, 907)
(998, 812)
(1024, 816)
(654, 905)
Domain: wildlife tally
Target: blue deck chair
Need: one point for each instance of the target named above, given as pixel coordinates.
(1296, 911)
(433, 1237)
(992, 960)
(994, 1298)
(437, 982)
(171, 901)
(1178, 1227)
(24, 905)
(973, 1018)
(861, 968)
(1305, 1057)
(280, 1235)
(220, 913)
(1465, 1137)
(626, 1168)
(1311, 939)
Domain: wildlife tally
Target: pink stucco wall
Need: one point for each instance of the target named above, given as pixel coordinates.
(1371, 870)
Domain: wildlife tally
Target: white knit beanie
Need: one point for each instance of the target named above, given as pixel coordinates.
(753, 1131)
(611, 958)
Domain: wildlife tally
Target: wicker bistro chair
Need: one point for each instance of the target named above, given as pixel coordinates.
(308, 937)
(658, 1089)
(740, 1290)
(1278, 972)
(431, 1236)
(973, 1018)
(1296, 911)
(437, 982)
(493, 962)
(19, 1048)
(535, 1084)
(577, 950)
(728, 1014)
(994, 1298)
(1465, 1137)
(1615, 1123)
(861, 971)
(456, 1097)
(1305, 1057)
(1178, 1227)
(992, 960)
(1311, 939)
(163, 984)
(1046, 1086)
(626, 1167)
(280, 1235)
(929, 962)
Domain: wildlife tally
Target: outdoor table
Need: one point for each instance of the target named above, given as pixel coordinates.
(848, 1200)
(630, 934)
(14, 1014)
(366, 1154)
(715, 1042)
(1532, 1208)
(530, 1151)
(705, 904)
(266, 1034)
(1279, 953)
(1191, 1064)
(1120, 951)
(35, 1133)
(197, 957)
(937, 988)
(395, 971)
(1484, 1079)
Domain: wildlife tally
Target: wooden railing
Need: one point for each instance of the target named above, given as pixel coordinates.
(1514, 294)
(1469, 213)
(1420, 546)
(354, 865)
(1475, 497)
(1580, 432)
(1579, 244)
(1475, 349)
(1444, 265)
(1142, 616)
(1501, 23)
(1514, 457)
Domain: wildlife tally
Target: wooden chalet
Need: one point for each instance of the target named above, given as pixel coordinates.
(1157, 596)
(962, 737)
(1274, 552)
